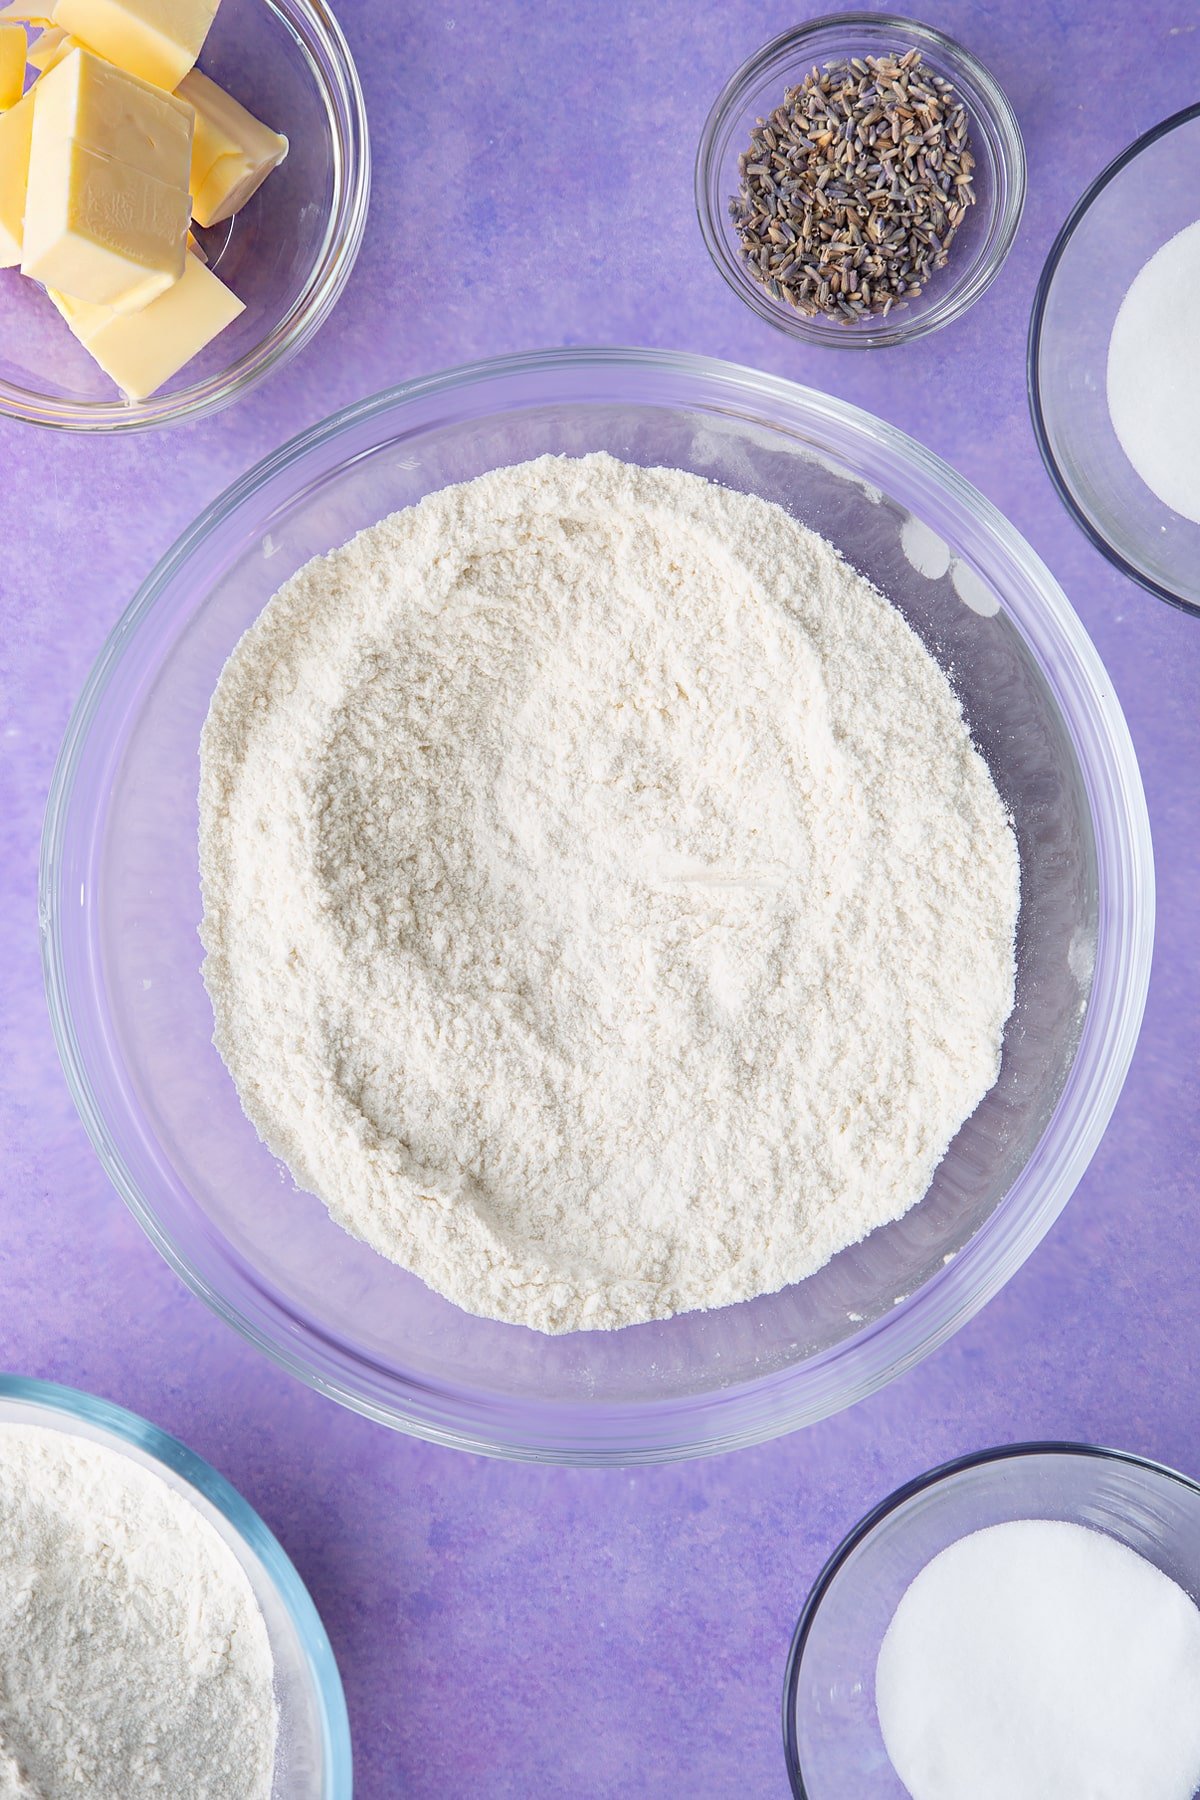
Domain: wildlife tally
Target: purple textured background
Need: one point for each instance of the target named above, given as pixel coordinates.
(508, 1630)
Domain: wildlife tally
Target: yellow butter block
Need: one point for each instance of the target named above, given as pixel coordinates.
(232, 151)
(141, 353)
(49, 48)
(12, 65)
(71, 310)
(16, 130)
(107, 110)
(156, 39)
(18, 14)
(106, 208)
(101, 230)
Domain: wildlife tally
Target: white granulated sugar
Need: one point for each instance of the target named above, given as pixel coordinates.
(134, 1660)
(607, 913)
(1041, 1660)
(1154, 374)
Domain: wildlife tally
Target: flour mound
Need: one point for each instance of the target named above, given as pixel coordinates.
(606, 911)
(134, 1661)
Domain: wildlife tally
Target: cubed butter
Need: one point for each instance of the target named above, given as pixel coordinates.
(16, 129)
(107, 110)
(143, 351)
(106, 210)
(18, 14)
(232, 151)
(49, 48)
(73, 311)
(95, 227)
(12, 65)
(156, 39)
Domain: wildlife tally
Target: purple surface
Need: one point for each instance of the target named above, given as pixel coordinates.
(505, 1630)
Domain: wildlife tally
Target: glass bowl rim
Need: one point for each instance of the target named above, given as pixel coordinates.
(1033, 380)
(960, 296)
(126, 1428)
(894, 1502)
(654, 1431)
(345, 105)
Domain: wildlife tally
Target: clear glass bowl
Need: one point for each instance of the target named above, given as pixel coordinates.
(832, 1741)
(288, 254)
(1141, 200)
(983, 238)
(313, 1761)
(120, 905)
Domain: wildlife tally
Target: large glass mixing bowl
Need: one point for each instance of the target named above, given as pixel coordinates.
(120, 905)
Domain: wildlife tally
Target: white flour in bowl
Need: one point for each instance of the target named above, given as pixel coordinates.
(606, 911)
(134, 1660)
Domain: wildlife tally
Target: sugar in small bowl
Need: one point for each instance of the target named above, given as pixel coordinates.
(1114, 361)
(1022, 1621)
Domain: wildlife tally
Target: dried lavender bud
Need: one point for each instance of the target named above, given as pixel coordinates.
(854, 187)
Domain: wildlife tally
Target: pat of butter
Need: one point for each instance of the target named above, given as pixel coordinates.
(156, 39)
(107, 110)
(232, 151)
(17, 14)
(97, 227)
(16, 129)
(12, 65)
(143, 351)
(107, 210)
(49, 48)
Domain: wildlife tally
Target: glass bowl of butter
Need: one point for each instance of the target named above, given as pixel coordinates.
(183, 191)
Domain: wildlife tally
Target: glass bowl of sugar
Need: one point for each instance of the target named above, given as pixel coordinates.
(1021, 1621)
(286, 254)
(1114, 362)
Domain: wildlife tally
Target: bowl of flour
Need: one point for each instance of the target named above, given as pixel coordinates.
(140, 1590)
(617, 904)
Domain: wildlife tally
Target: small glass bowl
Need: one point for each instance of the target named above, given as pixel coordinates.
(1131, 210)
(313, 1760)
(287, 255)
(983, 238)
(831, 1735)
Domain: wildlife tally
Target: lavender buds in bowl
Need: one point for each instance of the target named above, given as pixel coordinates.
(860, 181)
